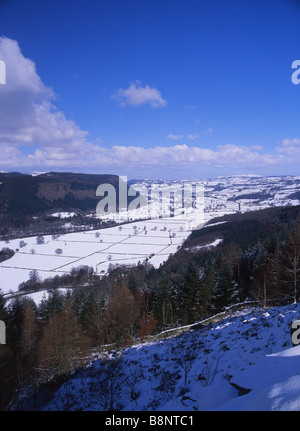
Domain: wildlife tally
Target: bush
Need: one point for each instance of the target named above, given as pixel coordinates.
(6, 253)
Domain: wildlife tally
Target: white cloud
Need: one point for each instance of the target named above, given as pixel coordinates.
(174, 137)
(28, 115)
(290, 148)
(136, 95)
(185, 156)
(35, 135)
(190, 107)
(257, 147)
(191, 137)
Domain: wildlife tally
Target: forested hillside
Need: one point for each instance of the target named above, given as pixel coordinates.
(24, 197)
(258, 258)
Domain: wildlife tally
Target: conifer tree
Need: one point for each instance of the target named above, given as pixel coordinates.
(290, 263)
(225, 291)
(53, 303)
(163, 302)
(205, 293)
(132, 282)
(189, 295)
(3, 308)
(82, 302)
(16, 316)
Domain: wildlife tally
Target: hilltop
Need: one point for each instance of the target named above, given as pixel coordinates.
(30, 195)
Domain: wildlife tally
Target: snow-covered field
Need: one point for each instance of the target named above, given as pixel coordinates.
(227, 195)
(154, 239)
(244, 362)
(128, 244)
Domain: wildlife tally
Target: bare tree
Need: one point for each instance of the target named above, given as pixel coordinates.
(110, 382)
(26, 359)
(95, 320)
(63, 345)
(209, 370)
(121, 315)
(134, 376)
(147, 324)
(259, 289)
(185, 358)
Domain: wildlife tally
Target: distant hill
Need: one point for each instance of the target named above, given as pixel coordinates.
(247, 228)
(27, 195)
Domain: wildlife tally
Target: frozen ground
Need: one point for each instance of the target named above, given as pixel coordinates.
(244, 362)
(153, 239)
(227, 195)
(128, 244)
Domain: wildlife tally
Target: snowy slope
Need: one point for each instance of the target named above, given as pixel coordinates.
(248, 351)
(275, 383)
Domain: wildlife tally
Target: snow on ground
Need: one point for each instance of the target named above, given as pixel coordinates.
(127, 244)
(154, 239)
(63, 214)
(274, 382)
(249, 349)
(199, 247)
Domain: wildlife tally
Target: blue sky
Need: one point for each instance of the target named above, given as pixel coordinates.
(147, 88)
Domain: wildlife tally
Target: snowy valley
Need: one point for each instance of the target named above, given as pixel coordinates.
(133, 240)
(125, 339)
